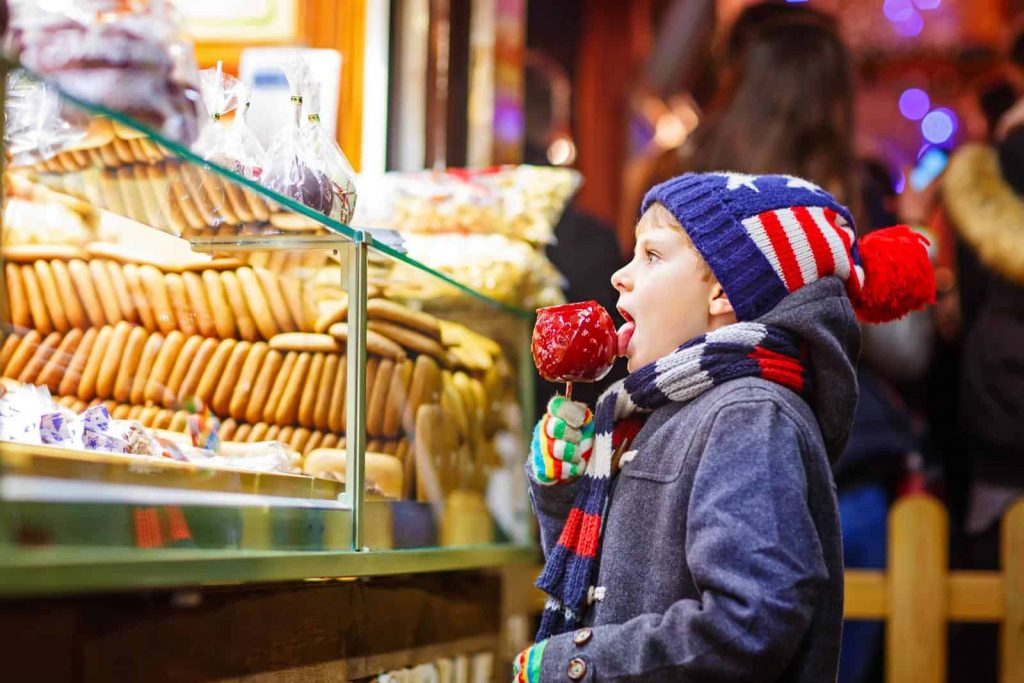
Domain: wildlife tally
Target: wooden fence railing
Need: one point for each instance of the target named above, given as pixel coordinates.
(918, 596)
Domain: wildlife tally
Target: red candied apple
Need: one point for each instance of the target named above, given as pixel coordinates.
(574, 343)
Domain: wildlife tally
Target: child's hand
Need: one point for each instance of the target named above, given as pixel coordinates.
(562, 442)
(526, 666)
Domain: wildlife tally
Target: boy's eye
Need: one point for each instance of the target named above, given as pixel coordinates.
(651, 256)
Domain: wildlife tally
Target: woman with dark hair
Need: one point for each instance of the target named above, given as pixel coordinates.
(785, 103)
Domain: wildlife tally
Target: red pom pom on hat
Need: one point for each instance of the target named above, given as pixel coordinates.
(898, 275)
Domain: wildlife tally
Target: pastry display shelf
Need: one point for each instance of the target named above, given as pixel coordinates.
(241, 526)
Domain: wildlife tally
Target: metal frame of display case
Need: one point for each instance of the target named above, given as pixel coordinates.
(72, 569)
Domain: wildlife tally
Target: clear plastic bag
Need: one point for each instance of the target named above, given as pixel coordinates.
(37, 125)
(230, 145)
(129, 57)
(291, 169)
(327, 155)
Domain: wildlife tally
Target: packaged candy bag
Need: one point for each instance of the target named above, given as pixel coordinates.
(290, 168)
(37, 126)
(232, 146)
(130, 57)
(21, 410)
(328, 157)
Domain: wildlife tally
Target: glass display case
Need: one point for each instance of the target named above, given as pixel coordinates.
(205, 380)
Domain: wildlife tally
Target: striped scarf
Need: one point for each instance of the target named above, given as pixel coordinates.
(740, 350)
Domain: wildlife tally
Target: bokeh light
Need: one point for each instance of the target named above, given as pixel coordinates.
(898, 10)
(914, 103)
(908, 28)
(938, 126)
(927, 5)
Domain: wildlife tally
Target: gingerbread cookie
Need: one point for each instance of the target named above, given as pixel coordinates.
(17, 297)
(150, 350)
(199, 304)
(129, 364)
(82, 283)
(204, 355)
(105, 291)
(38, 361)
(259, 307)
(307, 403)
(211, 377)
(87, 384)
(247, 328)
(271, 286)
(223, 317)
(179, 304)
(325, 385)
(221, 402)
(264, 383)
(112, 360)
(68, 297)
(389, 311)
(247, 380)
(184, 362)
(156, 384)
(34, 293)
(76, 365)
(288, 407)
(156, 290)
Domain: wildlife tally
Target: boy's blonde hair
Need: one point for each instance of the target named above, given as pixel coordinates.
(657, 216)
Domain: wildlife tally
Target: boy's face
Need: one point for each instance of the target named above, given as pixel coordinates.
(666, 295)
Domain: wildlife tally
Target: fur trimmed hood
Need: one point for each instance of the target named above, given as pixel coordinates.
(985, 210)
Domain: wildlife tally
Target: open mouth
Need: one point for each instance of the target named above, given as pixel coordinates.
(625, 333)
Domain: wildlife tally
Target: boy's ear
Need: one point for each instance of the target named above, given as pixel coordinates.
(719, 303)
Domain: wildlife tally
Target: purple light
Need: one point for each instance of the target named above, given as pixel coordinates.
(927, 5)
(938, 126)
(898, 10)
(901, 183)
(914, 104)
(908, 28)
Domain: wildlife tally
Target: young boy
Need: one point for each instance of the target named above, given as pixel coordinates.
(704, 545)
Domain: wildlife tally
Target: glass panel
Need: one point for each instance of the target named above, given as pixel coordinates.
(144, 285)
(445, 428)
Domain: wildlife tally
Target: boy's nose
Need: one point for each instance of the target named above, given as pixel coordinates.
(621, 280)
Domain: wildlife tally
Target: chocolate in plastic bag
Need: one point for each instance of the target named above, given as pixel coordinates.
(328, 157)
(290, 168)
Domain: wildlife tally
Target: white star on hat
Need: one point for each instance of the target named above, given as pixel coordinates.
(735, 181)
(802, 184)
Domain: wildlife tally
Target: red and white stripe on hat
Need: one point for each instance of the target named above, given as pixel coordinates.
(805, 243)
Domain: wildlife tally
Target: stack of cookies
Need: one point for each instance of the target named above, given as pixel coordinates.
(268, 358)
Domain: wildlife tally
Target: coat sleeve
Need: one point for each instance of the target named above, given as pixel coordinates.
(755, 558)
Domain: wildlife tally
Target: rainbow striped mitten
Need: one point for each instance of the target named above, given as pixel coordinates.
(562, 442)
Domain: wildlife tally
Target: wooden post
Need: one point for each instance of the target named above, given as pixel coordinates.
(1012, 547)
(917, 591)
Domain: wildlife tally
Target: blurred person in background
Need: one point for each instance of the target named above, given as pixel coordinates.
(785, 105)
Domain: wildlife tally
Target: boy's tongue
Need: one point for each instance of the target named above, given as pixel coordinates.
(625, 333)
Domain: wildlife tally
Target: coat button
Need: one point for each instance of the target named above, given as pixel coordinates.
(577, 669)
(583, 636)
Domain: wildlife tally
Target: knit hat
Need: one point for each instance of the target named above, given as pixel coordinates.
(765, 236)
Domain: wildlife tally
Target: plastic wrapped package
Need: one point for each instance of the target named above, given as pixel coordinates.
(327, 155)
(129, 57)
(232, 146)
(200, 200)
(521, 202)
(36, 126)
(504, 269)
(291, 169)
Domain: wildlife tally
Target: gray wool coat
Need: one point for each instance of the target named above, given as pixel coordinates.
(721, 557)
